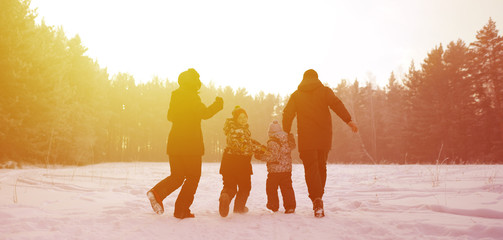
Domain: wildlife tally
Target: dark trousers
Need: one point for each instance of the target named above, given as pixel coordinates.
(284, 182)
(238, 185)
(186, 171)
(315, 169)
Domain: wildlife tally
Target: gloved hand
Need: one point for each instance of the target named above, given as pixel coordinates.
(219, 102)
(353, 126)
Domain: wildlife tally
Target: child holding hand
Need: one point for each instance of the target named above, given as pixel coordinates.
(236, 168)
(279, 168)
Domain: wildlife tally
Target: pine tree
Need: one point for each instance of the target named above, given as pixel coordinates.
(395, 121)
(487, 72)
(348, 147)
(460, 112)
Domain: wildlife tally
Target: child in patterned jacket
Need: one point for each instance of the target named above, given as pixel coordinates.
(236, 168)
(279, 168)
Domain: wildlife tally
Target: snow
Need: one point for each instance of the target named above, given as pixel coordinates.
(108, 201)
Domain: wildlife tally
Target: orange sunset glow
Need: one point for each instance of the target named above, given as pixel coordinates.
(383, 118)
(96, 90)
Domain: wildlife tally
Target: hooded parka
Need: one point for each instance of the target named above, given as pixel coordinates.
(311, 103)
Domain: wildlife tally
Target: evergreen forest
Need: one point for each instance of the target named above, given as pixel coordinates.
(59, 106)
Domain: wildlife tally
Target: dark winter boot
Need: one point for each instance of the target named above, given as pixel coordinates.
(272, 208)
(318, 208)
(242, 210)
(184, 214)
(240, 203)
(223, 207)
(289, 211)
(155, 202)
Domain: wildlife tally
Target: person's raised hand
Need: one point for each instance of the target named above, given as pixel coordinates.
(353, 126)
(219, 101)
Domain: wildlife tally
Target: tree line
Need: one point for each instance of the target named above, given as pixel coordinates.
(58, 106)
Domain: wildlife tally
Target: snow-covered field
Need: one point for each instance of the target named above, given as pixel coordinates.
(107, 201)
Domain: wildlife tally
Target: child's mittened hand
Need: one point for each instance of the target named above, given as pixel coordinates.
(263, 149)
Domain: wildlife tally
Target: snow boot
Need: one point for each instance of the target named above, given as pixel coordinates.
(184, 214)
(289, 211)
(155, 202)
(242, 210)
(318, 208)
(270, 207)
(240, 203)
(223, 207)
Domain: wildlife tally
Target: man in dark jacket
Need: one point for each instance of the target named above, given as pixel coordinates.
(311, 103)
(185, 145)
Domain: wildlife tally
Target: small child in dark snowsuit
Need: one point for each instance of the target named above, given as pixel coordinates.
(279, 168)
(236, 168)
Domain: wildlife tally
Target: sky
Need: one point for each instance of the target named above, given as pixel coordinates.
(266, 45)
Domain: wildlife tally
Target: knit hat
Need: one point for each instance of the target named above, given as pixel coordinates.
(237, 111)
(275, 127)
(189, 79)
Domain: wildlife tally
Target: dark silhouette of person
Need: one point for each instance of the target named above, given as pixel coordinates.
(185, 145)
(311, 103)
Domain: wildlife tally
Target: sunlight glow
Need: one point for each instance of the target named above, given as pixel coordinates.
(266, 45)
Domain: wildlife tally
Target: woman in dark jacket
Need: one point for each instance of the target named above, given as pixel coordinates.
(185, 145)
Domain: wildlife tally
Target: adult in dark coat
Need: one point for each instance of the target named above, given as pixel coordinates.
(185, 144)
(311, 103)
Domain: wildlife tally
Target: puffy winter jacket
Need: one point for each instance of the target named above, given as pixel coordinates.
(278, 155)
(239, 141)
(311, 103)
(240, 149)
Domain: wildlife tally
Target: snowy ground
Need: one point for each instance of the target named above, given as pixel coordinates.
(107, 201)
